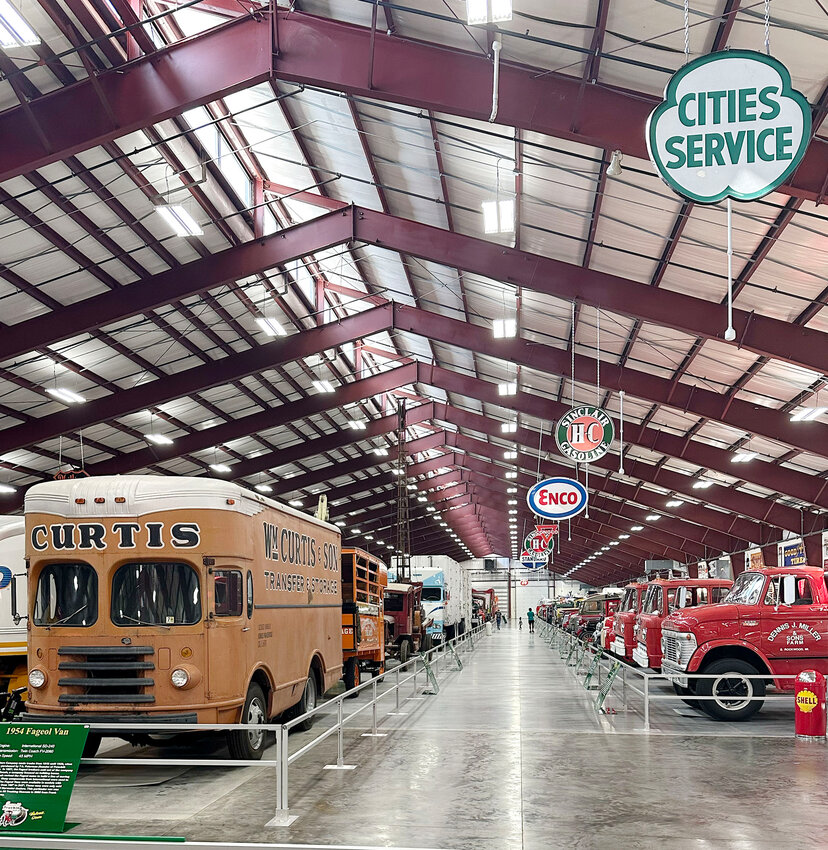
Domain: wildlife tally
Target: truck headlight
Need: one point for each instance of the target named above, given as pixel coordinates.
(180, 678)
(37, 678)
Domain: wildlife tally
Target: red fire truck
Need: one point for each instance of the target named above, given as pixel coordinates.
(663, 597)
(773, 620)
(623, 624)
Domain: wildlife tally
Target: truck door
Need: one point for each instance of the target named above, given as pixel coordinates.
(229, 635)
(794, 627)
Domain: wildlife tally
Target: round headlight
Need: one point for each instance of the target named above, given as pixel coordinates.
(180, 678)
(37, 678)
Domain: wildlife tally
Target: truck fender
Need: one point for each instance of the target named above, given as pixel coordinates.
(697, 659)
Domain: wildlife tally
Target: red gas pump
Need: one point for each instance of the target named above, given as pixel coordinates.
(810, 715)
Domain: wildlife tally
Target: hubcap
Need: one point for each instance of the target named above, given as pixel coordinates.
(255, 717)
(310, 694)
(732, 691)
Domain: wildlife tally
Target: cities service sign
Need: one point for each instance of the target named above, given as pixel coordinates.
(731, 124)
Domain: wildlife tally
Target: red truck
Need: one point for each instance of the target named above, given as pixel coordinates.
(405, 621)
(592, 611)
(663, 597)
(623, 624)
(773, 621)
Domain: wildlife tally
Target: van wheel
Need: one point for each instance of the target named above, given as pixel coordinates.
(731, 689)
(307, 703)
(92, 745)
(685, 692)
(350, 675)
(249, 744)
(405, 650)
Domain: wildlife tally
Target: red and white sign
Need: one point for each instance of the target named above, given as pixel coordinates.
(546, 532)
(524, 582)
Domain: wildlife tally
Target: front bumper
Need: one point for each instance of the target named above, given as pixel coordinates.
(619, 647)
(640, 656)
(674, 673)
(112, 721)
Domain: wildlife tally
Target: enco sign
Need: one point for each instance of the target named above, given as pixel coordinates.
(557, 498)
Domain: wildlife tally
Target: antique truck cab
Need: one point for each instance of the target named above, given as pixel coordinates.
(624, 620)
(774, 621)
(592, 611)
(663, 597)
(405, 620)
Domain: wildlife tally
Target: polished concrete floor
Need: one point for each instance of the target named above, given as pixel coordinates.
(509, 755)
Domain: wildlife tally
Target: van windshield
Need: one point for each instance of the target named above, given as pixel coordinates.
(155, 594)
(67, 595)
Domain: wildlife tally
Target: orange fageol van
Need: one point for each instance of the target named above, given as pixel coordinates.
(180, 600)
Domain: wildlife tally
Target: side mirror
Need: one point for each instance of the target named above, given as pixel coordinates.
(16, 618)
(681, 598)
(788, 590)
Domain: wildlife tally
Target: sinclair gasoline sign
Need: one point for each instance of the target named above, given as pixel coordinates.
(584, 434)
(730, 125)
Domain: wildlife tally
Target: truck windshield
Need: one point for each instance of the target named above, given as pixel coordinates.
(432, 594)
(629, 600)
(652, 601)
(394, 601)
(746, 590)
(67, 595)
(155, 594)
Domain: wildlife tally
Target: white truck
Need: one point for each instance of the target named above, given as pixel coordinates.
(447, 597)
(12, 637)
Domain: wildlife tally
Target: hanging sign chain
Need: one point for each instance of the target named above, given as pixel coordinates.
(686, 31)
(597, 357)
(621, 432)
(730, 333)
(767, 27)
(572, 352)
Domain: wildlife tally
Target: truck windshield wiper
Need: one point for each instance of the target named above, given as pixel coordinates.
(69, 617)
(140, 623)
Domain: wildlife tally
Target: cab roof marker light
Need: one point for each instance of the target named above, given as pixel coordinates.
(177, 217)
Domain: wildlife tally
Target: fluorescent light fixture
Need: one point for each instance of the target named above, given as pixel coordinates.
(499, 216)
(614, 543)
(512, 510)
(605, 548)
(623, 536)
(219, 467)
(508, 427)
(637, 528)
(512, 502)
(264, 488)
(743, 457)
(422, 498)
(158, 439)
(444, 525)
(340, 523)
(7, 488)
(431, 508)
(510, 455)
(270, 326)
(380, 542)
(381, 452)
(355, 531)
(702, 485)
(323, 386)
(296, 503)
(504, 328)
(511, 474)
(675, 503)
(14, 31)
(412, 486)
(66, 396)
(806, 414)
(178, 219)
(369, 536)
(652, 517)
(507, 388)
(357, 425)
(477, 11)
(511, 489)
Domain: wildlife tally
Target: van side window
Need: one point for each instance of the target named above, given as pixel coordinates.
(249, 594)
(228, 592)
(803, 592)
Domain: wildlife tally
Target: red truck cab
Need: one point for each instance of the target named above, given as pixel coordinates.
(773, 621)
(623, 624)
(663, 597)
(592, 611)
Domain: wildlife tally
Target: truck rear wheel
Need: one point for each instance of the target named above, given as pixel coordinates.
(405, 650)
(731, 689)
(249, 744)
(350, 674)
(426, 644)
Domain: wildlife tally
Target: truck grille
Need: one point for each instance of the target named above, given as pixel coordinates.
(671, 650)
(105, 674)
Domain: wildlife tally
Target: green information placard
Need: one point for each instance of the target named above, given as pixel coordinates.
(38, 766)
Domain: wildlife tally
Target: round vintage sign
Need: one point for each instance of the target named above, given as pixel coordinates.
(533, 560)
(533, 542)
(730, 124)
(584, 434)
(557, 498)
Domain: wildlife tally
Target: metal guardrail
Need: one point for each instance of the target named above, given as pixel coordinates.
(445, 657)
(569, 646)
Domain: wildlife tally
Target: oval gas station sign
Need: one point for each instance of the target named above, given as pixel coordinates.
(557, 498)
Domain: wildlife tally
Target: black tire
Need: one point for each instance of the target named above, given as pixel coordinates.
(687, 692)
(248, 744)
(426, 644)
(307, 703)
(405, 650)
(731, 691)
(350, 674)
(92, 745)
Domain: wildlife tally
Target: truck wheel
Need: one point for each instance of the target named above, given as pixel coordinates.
(307, 703)
(249, 744)
(405, 650)
(92, 745)
(685, 692)
(426, 644)
(351, 675)
(731, 690)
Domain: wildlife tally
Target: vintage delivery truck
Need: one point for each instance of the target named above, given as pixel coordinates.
(181, 600)
(12, 635)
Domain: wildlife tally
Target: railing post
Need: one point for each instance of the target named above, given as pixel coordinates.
(282, 816)
(646, 703)
(340, 753)
(397, 692)
(624, 686)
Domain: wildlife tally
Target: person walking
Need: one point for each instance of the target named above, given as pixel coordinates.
(530, 616)
(520, 623)
(498, 618)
